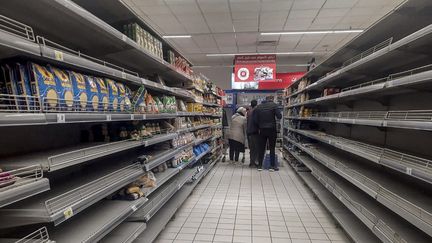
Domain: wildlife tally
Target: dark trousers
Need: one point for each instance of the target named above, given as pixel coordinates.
(267, 135)
(235, 148)
(253, 149)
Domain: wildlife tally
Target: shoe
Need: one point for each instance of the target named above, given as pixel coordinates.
(252, 165)
(271, 170)
(276, 169)
(259, 169)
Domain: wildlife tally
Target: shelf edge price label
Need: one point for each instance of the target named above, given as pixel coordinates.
(134, 208)
(61, 118)
(68, 213)
(108, 117)
(409, 170)
(123, 75)
(132, 117)
(124, 38)
(58, 55)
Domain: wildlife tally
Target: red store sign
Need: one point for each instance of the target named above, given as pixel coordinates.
(254, 68)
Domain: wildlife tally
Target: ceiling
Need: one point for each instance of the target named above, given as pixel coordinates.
(234, 26)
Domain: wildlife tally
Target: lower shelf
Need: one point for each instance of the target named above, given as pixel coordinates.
(162, 217)
(352, 225)
(387, 226)
(96, 222)
(126, 232)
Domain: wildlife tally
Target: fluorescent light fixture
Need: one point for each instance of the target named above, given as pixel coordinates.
(313, 32)
(176, 36)
(274, 53)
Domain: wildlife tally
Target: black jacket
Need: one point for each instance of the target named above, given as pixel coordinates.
(264, 115)
(252, 128)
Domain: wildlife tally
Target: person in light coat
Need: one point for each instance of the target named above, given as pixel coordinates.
(237, 134)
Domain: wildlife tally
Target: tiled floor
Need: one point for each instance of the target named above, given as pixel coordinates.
(238, 204)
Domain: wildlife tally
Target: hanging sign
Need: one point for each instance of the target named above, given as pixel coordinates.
(254, 68)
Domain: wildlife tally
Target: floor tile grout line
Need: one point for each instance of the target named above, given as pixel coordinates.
(280, 206)
(265, 204)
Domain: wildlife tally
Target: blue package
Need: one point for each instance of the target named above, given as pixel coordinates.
(64, 88)
(103, 94)
(80, 91)
(113, 95)
(22, 80)
(92, 93)
(44, 86)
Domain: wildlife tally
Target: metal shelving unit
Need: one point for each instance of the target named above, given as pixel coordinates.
(126, 232)
(96, 222)
(364, 141)
(74, 207)
(41, 235)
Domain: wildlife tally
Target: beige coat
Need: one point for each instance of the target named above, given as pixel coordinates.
(237, 130)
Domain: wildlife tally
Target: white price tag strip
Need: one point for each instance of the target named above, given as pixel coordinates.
(58, 55)
(132, 117)
(409, 171)
(123, 75)
(68, 213)
(61, 118)
(124, 38)
(108, 117)
(134, 208)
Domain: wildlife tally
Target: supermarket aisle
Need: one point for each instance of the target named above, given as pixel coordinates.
(239, 204)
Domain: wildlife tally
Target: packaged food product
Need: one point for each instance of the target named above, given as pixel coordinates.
(113, 95)
(123, 97)
(138, 101)
(92, 93)
(80, 90)
(44, 86)
(64, 87)
(103, 94)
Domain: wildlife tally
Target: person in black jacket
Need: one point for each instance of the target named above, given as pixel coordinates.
(264, 117)
(252, 133)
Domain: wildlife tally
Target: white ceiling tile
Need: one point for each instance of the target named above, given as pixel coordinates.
(308, 4)
(148, 2)
(245, 15)
(276, 6)
(155, 10)
(214, 7)
(299, 14)
(333, 12)
(298, 24)
(253, 6)
(273, 15)
(340, 3)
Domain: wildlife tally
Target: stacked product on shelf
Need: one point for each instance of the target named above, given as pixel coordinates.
(144, 39)
(373, 174)
(100, 161)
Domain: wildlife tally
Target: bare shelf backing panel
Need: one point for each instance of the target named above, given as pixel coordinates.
(404, 199)
(96, 222)
(382, 222)
(85, 32)
(356, 230)
(126, 232)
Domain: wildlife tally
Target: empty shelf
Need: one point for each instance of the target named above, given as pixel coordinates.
(405, 200)
(410, 165)
(405, 119)
(161, 178)
(39, 236)
(90, 35)
(96, 222)
(27, 182)
(382, 222)
(394, 55)
(72, 195)
(358, 232)
(162, 217)
(126, 232)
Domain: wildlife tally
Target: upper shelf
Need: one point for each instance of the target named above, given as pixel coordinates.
(394, 84)
(397, 24)
(411, 51)
(83, 31)
(413, 119)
